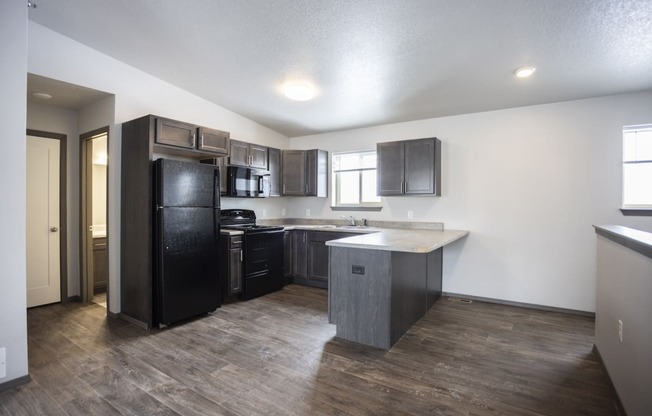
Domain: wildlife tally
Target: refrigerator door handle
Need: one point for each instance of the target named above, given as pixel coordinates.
(216, 188)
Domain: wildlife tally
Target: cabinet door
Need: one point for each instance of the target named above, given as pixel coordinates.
(317, 173)
(300, 254)
(294, 172)
(274, 163)
(258, 156)
(175, 133)
(420, 166)
(214, 141)
(318, 256)
(239, 153)
(235, 270)
(287, 256)
(391, 156)
(100, 265)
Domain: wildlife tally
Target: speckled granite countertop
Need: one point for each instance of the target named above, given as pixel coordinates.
(411, 241)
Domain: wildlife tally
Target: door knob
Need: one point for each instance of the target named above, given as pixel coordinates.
(54, 229)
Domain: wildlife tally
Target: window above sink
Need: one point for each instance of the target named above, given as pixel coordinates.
(354, 181)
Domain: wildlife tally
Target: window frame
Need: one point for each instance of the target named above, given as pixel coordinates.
(633, 209)
(335, 200)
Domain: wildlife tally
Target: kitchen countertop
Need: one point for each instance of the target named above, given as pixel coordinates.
(410, 241)
(332, 228)
(637, 240)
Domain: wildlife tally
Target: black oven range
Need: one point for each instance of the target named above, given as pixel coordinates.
(262, 252)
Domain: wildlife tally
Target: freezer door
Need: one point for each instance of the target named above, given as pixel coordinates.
(188, 263)
(186, 184)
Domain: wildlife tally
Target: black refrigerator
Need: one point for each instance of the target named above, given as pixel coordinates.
(187, 212)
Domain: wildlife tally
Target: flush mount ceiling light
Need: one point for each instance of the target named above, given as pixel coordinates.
(298, 92)
(524, 71)
(41, 95)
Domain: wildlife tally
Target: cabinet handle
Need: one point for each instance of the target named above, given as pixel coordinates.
(194, 140)
(240, 255)
(201, 141)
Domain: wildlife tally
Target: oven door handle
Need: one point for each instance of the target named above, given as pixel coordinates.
(266, 232)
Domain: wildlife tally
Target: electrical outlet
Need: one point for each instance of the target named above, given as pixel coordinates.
(264, 212)
(620, 330)
(307, 212)
(3, 362)
(283, 212)
(410, 214)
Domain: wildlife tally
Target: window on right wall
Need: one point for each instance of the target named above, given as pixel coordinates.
(637, 170)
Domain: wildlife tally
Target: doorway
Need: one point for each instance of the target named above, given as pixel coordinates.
(94, 238)
(46, 218)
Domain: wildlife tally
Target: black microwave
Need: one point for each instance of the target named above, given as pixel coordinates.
(246, 182)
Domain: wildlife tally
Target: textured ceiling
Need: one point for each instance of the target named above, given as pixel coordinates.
(372, 62)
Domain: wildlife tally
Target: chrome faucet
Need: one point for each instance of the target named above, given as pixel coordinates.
(350, 219)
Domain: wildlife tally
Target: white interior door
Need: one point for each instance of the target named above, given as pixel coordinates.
(43, 240)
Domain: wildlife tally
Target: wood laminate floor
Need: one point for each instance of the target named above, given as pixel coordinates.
(277, 355)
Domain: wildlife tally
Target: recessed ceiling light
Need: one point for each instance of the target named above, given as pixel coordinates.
(298, 92)
(524, 71)
(41, 95)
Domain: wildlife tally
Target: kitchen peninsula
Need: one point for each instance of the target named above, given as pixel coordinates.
(382, 283)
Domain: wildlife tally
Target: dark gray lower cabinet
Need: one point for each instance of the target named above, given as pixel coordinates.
(299, 255)
(100, 265)
(310, 256)
(287, 257)
(231, 269)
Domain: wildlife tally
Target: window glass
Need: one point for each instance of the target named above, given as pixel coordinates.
(637, 167)
(354, 179)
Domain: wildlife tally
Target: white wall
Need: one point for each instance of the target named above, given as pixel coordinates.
(99, 194)
(13, 84)
(58, 120)
(624, 280)
(136, 94)
(527, 182)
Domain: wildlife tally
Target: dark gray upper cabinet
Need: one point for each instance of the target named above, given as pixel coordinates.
(220, 162)
(274, 167)
(248, 154)
(409, 167)
(175, 133)
(391, 168)
(305, 173)
(215, 141)
(189, 136)
(294, 172)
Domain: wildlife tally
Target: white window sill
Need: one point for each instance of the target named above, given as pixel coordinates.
(356, 207)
